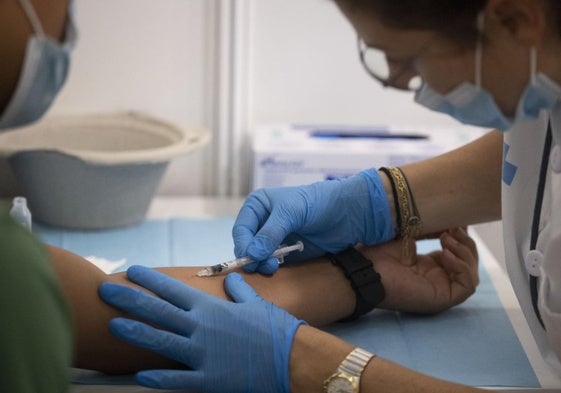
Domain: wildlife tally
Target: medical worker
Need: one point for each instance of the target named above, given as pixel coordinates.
(490, 63)
(35, 327)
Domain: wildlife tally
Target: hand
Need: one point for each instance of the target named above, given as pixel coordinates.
(241, 347)
(427, 283)
(327, 216)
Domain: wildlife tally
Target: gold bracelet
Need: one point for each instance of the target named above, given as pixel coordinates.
(410, 218)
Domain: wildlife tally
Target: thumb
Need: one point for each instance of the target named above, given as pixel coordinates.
(239, 290)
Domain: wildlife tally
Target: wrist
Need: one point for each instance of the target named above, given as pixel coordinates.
(294, 282)
(380, 227)
(364, 280)
(347, 377)
(314, 357)
(369, 252)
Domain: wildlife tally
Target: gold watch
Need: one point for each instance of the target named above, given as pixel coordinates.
(347, 377)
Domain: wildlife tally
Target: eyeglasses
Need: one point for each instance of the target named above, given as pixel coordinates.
(375, 62)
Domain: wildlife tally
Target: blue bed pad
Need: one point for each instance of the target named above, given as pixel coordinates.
(473, 343)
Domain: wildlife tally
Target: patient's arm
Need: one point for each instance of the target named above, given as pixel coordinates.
(316, 291)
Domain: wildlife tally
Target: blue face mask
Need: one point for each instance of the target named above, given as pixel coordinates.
(43, 74)
(471, 104)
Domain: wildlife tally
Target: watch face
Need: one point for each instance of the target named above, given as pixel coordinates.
(341, 384)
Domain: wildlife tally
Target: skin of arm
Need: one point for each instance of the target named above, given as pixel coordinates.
(416, 284)
(316, 355)
(296, 288)
(448, 188)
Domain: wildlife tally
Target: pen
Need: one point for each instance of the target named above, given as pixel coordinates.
(366, 134)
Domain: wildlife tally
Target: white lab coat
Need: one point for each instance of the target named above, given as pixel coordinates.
(523, 148)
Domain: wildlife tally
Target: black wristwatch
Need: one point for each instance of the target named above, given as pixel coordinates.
(365, 281)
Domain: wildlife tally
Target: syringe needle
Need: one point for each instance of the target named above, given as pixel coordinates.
(204, 273)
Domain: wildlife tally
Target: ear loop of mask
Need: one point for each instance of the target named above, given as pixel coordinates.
(479, 48)
(533, 63)
(32, 16)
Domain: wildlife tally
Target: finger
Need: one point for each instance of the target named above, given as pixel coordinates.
(171, 379)
(459, 249)
(267, 240)
(260, 249)
(268, 266)
(464, 238)
(145, 306)
(275, 223)
(451, 263)
(432, 235)
(310, 250)
(250, 218)
(174, 291)
(463, 283)
(239, 290)
(449, 245)
(243, 236)
(165, 343)
(459, 271)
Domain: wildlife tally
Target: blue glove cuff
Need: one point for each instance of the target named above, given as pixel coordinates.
(284, 364)
(382, 229)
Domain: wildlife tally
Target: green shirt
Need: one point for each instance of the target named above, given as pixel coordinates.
(35, 327)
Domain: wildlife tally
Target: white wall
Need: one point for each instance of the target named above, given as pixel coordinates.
(227, 65)
(306, 69)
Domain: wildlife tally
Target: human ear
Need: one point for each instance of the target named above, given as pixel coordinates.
(523, 20)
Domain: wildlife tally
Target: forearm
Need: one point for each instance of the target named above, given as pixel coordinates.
(96, 348)
(459, 188)
(316, 355)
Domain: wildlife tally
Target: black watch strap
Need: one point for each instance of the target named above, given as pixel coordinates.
(365, 281)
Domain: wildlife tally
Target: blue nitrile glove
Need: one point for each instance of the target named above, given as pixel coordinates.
(240, 346)
(327, 216)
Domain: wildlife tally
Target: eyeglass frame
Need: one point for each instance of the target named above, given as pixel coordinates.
(390, 81)
(409, 63)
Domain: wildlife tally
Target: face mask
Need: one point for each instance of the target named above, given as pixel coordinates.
(471, 104)
(44, 71)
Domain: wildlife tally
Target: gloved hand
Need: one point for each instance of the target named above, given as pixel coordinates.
(327, 216)
(240, 346)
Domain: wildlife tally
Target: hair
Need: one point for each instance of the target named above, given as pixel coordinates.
(455, 19)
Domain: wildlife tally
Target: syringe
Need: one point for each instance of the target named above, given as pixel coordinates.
(228, 266)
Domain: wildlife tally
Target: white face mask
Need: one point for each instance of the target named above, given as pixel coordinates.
(472, 104)
(43, 74)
